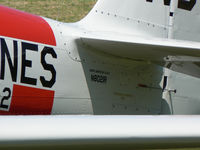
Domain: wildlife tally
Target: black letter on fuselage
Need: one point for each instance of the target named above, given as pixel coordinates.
(5, 54)
(187, 5)
(48, 67)
(166, 2)
(182, 4)
(27, 63)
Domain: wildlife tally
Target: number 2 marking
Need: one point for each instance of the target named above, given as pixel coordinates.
(2, 105)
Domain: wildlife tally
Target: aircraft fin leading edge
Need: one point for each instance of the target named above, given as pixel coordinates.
(134, 17)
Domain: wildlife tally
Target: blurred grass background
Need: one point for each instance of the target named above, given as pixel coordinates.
(61, 10)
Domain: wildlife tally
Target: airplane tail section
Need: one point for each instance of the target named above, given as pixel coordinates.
(138, 17)
(177, 19)
(123, 27)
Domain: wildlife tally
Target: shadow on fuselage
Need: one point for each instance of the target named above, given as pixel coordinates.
(120, 86)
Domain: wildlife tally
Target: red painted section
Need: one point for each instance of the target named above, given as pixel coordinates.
(30, 101)
(25, 26)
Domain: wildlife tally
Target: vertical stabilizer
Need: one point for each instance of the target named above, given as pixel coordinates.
(138, 17)
(176, 19)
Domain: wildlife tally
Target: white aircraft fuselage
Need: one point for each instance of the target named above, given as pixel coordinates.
(125, 58)
(48, 68)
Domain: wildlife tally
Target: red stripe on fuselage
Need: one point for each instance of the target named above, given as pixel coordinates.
(30, 101)
(25, 26)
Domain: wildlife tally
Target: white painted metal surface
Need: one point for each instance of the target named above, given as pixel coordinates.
(186, 23)
(137, 17)
(104, 131)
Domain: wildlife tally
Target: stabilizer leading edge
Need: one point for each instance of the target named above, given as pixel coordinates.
(152, 49)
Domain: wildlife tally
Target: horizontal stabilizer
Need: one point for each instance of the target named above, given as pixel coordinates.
(167, 52)
(153, 49)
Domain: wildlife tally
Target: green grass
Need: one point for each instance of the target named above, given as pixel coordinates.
(61, 10)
